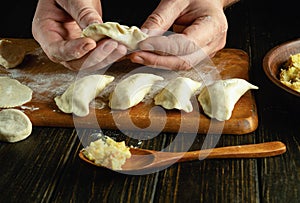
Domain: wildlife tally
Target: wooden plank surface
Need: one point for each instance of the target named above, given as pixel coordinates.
(279, 178)
(46, 167)
(48, 79)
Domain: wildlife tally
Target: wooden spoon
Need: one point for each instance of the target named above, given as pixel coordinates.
(144, 159)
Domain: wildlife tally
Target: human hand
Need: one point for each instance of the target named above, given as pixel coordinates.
(57, 27)
(202, 27)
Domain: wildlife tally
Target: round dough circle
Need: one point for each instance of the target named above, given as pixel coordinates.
(13, 93)
(10, 54)
(14, 125)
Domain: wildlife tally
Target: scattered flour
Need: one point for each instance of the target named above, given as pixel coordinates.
(45, 86)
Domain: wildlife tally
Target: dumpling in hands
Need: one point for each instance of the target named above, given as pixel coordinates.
(77, 97)
(219, 98)
(177, 93)
(129, 36)
(132, 90)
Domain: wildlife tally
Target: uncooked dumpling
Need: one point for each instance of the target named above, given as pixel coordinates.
(132, 90)
(129, 36)
(177, 94)
(13, 93)
(10, 54)
(77, 97)
(219, 98)
(14, 125)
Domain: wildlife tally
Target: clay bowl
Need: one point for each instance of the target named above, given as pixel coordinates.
(275, 58)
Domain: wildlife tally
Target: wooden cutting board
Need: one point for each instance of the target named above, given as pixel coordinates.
(48, 79)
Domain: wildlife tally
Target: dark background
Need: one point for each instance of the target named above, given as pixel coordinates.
(16, 16)
(46, 168)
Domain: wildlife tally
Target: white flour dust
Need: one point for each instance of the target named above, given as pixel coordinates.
(45, 86)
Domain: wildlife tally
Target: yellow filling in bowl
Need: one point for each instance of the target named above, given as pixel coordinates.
(290, 76)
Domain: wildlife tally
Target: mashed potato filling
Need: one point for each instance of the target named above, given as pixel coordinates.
(290, 76)
(108, 153)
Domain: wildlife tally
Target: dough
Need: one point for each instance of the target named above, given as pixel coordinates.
(129, 36)
(77, 97)
(177, 94)
(13, 93)
(132, 90)
(219, 98)
(14, 125)
(10, 55)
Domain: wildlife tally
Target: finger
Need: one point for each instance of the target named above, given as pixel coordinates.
(55, 39)
(117, 54)
(212, 48)
(104, 48)
(68, 50)
(183, 62)
(160, 19)
(113, 54)
(59, 49)
(84, 12)
(157, 61)
(206, 29)
(168, 62)
(176, 44)
(107, 52)
(178, 28)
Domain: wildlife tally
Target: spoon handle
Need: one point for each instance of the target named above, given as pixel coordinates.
(260, 150)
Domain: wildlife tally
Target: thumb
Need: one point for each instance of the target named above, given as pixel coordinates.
(83, 12)
(163, 17)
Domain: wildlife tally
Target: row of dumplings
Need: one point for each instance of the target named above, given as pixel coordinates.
(217, 99)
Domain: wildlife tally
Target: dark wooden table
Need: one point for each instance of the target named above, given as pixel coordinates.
(46, 167)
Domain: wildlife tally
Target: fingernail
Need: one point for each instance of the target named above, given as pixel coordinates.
(88, 47)
(109, 46)
(138, 59)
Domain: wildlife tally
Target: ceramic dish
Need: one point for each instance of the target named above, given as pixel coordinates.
(274, 60)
